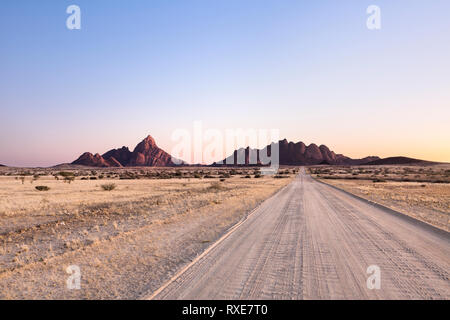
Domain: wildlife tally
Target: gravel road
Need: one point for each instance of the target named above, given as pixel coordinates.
(311, 241)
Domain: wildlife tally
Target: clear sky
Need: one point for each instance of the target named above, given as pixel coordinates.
(309, 68)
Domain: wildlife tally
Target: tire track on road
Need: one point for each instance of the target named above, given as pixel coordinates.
(311, 241)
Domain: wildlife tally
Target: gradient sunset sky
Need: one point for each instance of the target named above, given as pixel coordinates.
(309, 68)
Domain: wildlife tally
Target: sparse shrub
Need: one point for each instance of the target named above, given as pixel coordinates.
(257, 176)
(222, 179)
(92, 178)
(69, 179)
(127, 175)
(247, 176)
(42, 188)
(66, 174)
(108, 186)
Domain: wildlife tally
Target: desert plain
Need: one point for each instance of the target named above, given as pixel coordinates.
(129, 230)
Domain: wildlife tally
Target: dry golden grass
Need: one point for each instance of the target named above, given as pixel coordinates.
(126, 241)
(439, 173)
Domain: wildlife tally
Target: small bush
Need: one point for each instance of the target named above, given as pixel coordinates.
(69, 179)
(66, 174)
(42, 188)
(108, 186)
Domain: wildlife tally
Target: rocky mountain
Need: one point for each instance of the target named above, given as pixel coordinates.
(146, 153)
(293, 154)
(122, 155)
(96, 160)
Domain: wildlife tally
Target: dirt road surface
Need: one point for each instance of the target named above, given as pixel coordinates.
(311, 241)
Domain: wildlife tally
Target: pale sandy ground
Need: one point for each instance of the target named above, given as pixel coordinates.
(127, 242)
(428, 202)
(312, 241)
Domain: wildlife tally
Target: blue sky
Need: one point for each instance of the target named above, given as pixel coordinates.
(310, 68)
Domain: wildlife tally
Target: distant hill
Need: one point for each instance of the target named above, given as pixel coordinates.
(397, 161)
(293, 154)
(146, 154)
(1, 165)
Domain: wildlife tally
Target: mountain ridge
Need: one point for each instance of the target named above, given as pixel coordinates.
(399, 160)
(146, 153)
(291, 153)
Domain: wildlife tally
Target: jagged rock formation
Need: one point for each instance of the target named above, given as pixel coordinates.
(291, 153)
(146, 153)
